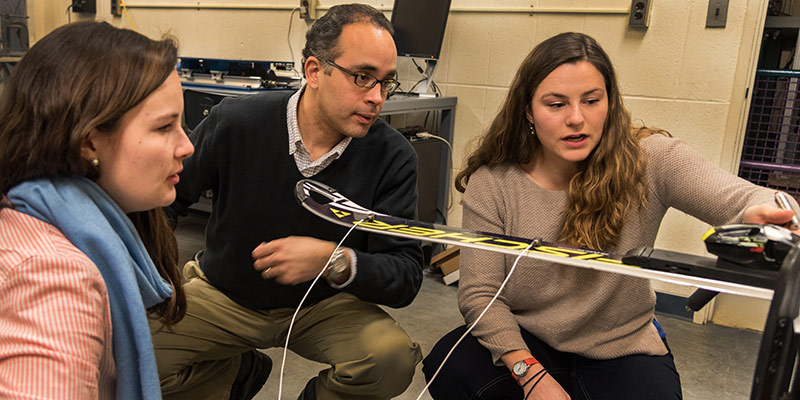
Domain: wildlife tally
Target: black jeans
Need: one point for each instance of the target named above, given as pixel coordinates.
(470, 374)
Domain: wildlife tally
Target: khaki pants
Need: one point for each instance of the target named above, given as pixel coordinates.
(371, 356)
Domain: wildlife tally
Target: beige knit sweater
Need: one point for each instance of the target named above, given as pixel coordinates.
(595, 314)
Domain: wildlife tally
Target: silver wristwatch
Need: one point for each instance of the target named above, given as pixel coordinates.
(339, 265)
(520, 368)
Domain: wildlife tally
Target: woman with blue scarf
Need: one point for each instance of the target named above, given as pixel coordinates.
(90, 148)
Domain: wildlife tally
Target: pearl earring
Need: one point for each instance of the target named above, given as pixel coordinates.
(533, 131)
(95, 162)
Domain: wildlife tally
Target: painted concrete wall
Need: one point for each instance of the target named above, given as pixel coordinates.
(676, 75)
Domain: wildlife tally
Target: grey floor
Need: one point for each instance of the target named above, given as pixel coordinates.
(714, 362)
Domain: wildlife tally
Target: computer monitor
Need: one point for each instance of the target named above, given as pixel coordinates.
(419, 27)
(419, 32)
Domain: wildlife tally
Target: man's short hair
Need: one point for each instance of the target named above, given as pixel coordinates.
(323, 37)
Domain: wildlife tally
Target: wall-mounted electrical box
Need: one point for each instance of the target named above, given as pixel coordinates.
(717, 13)
(115, 8)
(308, 9)
(84, 6)
(640, 14)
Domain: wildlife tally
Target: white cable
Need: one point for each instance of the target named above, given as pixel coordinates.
(427, 135)
(513, 267)
(289, 333)
(289, 40)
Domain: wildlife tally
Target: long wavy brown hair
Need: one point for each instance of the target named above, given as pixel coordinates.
(82, 77)
(610, 181)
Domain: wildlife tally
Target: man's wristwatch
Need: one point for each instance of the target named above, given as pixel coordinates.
(339, 265)
(520, 368)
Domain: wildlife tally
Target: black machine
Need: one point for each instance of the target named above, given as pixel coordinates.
(13, 28)
(238, 74)
(419, 32)
(197, 105)
(206, 81)
(419, 27)
(757, 255)
(749, 254)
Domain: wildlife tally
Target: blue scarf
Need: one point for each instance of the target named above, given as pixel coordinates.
(94, 223)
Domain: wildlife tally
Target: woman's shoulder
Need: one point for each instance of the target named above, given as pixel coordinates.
(501, 173)
(498, 183)
(664, 152)
(26, 240)
(56, 309)
(657, 140)
(39, 264)
(510, 179)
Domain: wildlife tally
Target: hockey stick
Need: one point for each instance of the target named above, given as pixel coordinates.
(332, 206)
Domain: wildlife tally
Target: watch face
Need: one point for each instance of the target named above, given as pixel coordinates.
(520, 368)
(339, 263)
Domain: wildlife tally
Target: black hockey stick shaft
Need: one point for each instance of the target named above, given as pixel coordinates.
(699, 299)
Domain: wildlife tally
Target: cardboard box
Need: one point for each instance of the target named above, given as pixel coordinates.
(447, 261)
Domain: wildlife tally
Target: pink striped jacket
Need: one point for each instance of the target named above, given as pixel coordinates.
(55, 321)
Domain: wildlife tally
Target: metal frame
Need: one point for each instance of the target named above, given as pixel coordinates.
(776, 368)
(771, 150)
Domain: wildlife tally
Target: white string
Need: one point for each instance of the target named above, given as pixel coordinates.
(513, 267)
(289, 40)
(289, 333)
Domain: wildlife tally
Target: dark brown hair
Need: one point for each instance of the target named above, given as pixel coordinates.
(159, 240)
(81, 77)
(609, 181)
(323, 37)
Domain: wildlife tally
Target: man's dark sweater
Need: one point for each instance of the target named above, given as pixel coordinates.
(242, 154)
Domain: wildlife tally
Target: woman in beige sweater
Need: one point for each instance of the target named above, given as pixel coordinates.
(562, 162)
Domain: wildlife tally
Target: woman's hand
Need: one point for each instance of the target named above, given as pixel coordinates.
(546, 389)
(768, 214)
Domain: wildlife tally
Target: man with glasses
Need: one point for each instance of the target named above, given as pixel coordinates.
(263, 249)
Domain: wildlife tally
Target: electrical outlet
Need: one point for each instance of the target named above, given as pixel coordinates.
(640, 14)
(115, 11)
(308, 9)
(717, 13)
(84, 6)
(303, 9)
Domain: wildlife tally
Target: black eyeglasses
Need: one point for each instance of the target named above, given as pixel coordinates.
(368, 81)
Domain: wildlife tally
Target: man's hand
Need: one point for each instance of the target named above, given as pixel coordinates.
(768, 214)
(292, 260)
